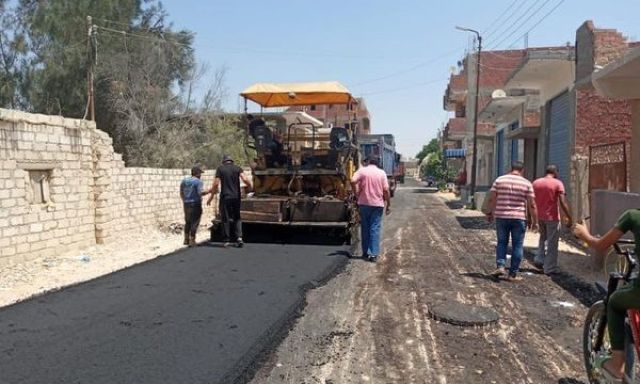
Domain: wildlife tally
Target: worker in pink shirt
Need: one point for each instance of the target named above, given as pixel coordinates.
(371, 187)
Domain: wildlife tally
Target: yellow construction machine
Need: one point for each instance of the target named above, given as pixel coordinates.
(301, 166)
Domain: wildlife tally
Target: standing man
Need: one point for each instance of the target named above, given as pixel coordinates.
(191, 192)
(227, 180)
(549, 191)
(371, 186)
(507, 203)
(254, 123)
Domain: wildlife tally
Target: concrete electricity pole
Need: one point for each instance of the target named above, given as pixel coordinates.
(474, 160)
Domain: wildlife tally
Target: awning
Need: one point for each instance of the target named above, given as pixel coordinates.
(551, 70)
(499, 107)
(455, 153)
(290, 94)
(523, 133)
(620, 79)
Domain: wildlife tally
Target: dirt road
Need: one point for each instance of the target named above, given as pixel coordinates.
(371, 323)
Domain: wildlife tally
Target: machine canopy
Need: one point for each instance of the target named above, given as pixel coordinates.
(291, 94)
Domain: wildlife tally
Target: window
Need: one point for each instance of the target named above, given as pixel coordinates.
(38, 186)
(313, 107)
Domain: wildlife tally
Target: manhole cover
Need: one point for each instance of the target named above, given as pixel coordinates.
(465, 315)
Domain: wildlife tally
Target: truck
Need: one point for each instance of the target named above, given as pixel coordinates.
(400, 169)
(301, 166)
(382, 146)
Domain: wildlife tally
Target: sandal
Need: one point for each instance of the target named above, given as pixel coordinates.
(608, 376)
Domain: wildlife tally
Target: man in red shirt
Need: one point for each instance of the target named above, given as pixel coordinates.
(549, 191)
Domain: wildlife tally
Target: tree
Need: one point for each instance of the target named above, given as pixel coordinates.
(13, 49)
(435, 166)
(144, 76)
(432, 147)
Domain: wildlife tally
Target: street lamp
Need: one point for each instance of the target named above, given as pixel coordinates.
(474, 159)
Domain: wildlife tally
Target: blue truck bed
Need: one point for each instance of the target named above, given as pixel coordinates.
(383, 146)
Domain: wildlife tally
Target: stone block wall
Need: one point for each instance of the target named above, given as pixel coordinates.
(62, 188)
(148, 198)
(58, 151)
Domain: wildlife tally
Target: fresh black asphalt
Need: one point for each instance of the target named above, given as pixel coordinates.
(202, 315)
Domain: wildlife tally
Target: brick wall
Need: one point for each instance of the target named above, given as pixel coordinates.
(600, 121)
(597, 47)
(91, 197)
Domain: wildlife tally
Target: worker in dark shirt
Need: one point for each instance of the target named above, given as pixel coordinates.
(227, 181)
(254, 122)
(277, 158)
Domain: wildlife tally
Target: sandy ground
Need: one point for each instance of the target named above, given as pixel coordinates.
(19, 281)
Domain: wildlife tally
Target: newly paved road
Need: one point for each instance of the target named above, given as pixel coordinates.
(203, 315)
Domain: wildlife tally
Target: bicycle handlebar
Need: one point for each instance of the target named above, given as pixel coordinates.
(631, 259)
(619, 250)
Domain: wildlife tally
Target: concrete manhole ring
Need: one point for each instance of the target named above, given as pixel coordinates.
(465, 315)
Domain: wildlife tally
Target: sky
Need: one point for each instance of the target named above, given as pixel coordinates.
(396, 54)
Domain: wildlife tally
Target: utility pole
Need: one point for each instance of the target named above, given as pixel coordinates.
(91, 107)
(474, 159)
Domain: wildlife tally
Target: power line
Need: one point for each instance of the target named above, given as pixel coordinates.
(538, 22)
(505, 69)
(504, 57)
(239, 49)
(156, 38)
(514, 13)
(393, 74)
(495, 22)
(520, 18)
(407, 70)
(402, 88)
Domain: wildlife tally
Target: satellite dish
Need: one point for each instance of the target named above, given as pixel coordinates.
(498, 94)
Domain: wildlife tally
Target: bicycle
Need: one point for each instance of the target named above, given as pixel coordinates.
(595, 337)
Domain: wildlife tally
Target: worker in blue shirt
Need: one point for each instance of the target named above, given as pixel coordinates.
(191, 192)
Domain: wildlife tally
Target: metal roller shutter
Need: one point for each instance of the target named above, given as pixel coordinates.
(559, 144)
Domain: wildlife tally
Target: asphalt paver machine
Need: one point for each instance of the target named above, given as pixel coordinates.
(301, 166)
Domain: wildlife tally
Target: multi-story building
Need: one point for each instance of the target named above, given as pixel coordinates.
(459, 98)
(339, 115)
(548, 113)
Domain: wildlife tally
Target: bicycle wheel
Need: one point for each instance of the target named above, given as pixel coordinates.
(613, 262)
(595, 340)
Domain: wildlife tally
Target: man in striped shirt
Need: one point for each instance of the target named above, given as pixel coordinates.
(508, 201)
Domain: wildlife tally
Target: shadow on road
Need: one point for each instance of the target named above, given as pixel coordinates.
(474, 223)
(424, 190)
(273, 234)
(482, 276)
(455, 204)
(585, 292)
(570, 380)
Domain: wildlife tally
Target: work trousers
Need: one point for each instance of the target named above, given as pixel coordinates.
(370, 227)
(192, 215)
(514, 228)
(548, 245)
(627, 297)
(230, 211)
